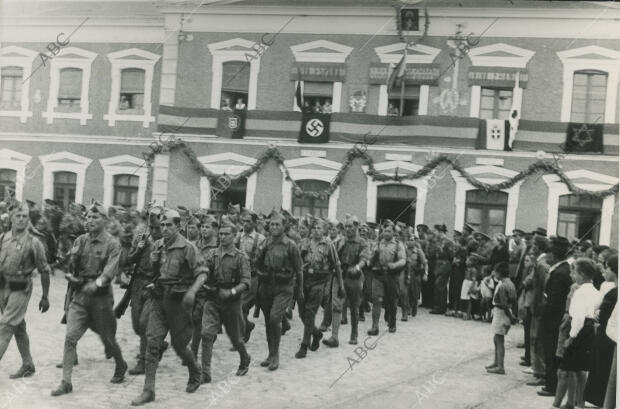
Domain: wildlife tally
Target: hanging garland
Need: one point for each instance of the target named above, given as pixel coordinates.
(356, 153)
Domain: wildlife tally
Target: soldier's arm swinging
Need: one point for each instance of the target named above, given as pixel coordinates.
(40, 261)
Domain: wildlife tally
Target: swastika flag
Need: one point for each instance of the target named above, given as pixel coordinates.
(314, 128)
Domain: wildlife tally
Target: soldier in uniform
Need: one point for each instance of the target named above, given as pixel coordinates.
(228, 278)
(143, 274)
(386, 264)
(20, 254)
(443, 264)
(418, 272)
(319, 259)
(250, 242)
(353, 255)
(205, 244)
(279, 265)
(95, 259)
(181, 274)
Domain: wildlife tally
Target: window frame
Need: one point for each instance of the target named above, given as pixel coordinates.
(14, 56)
(17, 161)
(496, 109)
(486, 207)
(123, 165)
(589, 73)
(120, 61)
(125, 188)
(64, 162)
(14, 182)
(312, 201)
(65, 186)
(71, 57)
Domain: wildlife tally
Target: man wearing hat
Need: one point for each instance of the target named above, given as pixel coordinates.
(443, 263)
(320, 260)
(95, 259)
(250, 242)
(181, 274)
(20, 254)
(228, 278)
(556, 291)
(279, 271)
(387, 263)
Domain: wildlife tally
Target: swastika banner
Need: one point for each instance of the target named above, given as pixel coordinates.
(314, 128)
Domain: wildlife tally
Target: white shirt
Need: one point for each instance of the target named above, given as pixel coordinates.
(612, 325)
(606, 286)
(584, 304)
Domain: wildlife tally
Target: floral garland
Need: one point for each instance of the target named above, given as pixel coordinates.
(356, 153)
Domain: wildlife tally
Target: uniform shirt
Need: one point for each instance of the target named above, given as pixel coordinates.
(142, 257)
(584, 304)
(250, 244)
(416, 260)
(227, 268)
(205, 245)
(445, 250)
(279, 254)
(180, 261)
(96, 255)
(20, 256)
(319, 257)
(353, 252)
(390, 252)
(505, 294)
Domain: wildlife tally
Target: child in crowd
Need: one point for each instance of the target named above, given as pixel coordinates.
(471, 273)
(474, 294)
(487, 289)
(577, 347)
(503, 298)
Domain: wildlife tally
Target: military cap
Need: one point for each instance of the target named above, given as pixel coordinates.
(422, 227)
(248, 212)
(559, 242)
(541, 231)
(441, 227)
(193, 220)
(350, 218)
(457, 233)
(469, 227)
(51, 202)
(228, 224)
(518, 232)
(275, 215)
(170, 214)
(234, 209)
(97, 207)
(17, 207)
(209, 220)
(372, 225)
(480, 235)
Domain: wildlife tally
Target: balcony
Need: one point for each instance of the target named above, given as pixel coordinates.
(419, 131)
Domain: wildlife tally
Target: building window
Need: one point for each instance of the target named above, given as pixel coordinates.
(486, 211)
(589, 95)
(64, 187)
(126, 190)
(579, 217)
(495, 103)
(411, 101)
(318, 96)
(235, 85)
(7, 184)
(132, 91)
(11, 88)
(307, 205)
(397, 203)
(70, 90)
(234, 195)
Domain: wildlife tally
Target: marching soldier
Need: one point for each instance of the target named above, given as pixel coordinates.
(443, 265)
(20, 254)
(181, 274)
(250, 242)
(319, 259)
(353, 255)
(387, 262)
(279, 264)
(95, 259)
(418, 272)
(228, 278)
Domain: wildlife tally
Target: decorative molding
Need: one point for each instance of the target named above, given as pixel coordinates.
(338, 54)
(233, 50)
(121, 60)
(416, 54)
(65, 59)
(13, 56)
(557, 189)
(17, 161)
(117, 165)
(490, 161)
(590, 58)
(462, 186)
(519, 57)
(64, 162)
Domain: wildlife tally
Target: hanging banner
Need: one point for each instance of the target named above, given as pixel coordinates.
(497, 77)
(493, 135)
(231, 124)
(318, 72)
(314, 128)
(415, 74)
(584, 138)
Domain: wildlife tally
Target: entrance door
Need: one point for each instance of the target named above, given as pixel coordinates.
(397, 203)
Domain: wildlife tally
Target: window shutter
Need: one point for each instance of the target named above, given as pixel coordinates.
(12, 72)
(132, 81)
(236, 76)
(320, 89)
(70, 83)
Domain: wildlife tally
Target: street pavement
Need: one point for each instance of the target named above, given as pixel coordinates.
(431, 362)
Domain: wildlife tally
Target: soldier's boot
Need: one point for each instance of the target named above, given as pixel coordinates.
(275, 343)
(316, 340)
(139, 368)
(353, 339)
(275, 362)
(343, 321)
(25, 371)
(332, 342)
(119, 372)
(303, 351)
(267, 360)
(248, 331)
(244, 364)
(63, 389)
(145, 397)
(376, 314)
(193, 383)
(207, 352)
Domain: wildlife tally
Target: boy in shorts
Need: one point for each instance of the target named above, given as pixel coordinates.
(503, 298)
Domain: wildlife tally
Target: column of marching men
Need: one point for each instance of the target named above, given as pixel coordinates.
(194, 275)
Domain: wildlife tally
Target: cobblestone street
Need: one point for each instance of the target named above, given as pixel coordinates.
(431, 362)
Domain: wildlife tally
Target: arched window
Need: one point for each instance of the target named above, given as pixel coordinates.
(486, 211)
(126, 190)
(64, 187)
(579, 217)
(7, 183)
(307, 205)
(589, 95)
